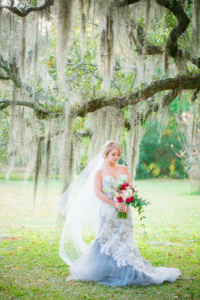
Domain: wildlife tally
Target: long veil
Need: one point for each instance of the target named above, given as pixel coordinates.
(79, 204)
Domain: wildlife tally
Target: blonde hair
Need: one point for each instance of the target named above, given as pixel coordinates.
(109, 145)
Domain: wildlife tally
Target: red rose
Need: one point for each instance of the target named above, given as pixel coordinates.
(123, 186)
(129, 199)
(120, 199)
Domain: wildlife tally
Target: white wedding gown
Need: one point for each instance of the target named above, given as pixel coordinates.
(113, 257)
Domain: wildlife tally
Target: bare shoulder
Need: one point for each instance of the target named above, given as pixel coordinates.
(124, 168)
(99, 172)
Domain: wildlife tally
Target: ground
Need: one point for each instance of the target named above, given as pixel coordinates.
(32, 269)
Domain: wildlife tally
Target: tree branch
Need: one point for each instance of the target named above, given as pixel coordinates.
(40, 112)
(183, 21)
(6, 103)
(10, 70)
(186, 82)
(167, 99)
(172, 47)
(2, 77)
(140, 118)
(144, 46)
(194, 60)
(195, 95)
(76, 134)
(122, 3)
(27, 11)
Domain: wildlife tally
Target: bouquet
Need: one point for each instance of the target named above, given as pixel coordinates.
(125, 193)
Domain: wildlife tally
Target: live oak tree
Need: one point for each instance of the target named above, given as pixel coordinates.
(77, 70)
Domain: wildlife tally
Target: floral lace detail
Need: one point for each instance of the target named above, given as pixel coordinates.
(115, 236)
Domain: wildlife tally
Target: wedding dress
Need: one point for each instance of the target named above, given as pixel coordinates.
(113, 257)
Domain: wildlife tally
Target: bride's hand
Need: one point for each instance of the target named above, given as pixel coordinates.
(121, 207)
(126, 209)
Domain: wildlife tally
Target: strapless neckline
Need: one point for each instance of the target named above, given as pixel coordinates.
(114, 177)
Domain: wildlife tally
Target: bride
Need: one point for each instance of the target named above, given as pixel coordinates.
(113, 257)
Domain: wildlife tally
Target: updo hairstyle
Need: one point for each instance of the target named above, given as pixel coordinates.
(108, 146)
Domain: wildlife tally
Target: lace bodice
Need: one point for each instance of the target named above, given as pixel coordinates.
(110, 182)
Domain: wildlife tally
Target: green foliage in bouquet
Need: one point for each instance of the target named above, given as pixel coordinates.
(139, 203)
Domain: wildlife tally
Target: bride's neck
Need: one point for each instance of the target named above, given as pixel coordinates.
(110, 165)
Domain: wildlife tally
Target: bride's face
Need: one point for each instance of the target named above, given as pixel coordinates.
(114, 155)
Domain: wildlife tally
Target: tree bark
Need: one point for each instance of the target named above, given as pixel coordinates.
(27, 11)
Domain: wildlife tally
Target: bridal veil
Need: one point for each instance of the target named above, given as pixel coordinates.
(79, 205)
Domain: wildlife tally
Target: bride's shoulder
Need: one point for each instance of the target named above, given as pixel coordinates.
(99, 172)
(123, 168)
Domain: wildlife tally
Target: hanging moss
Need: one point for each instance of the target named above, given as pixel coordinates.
(166, 61)
(1, 119)
(1, 18)
(23, 49)
(134, 136)
(106, 48)
(163, 119)
(148, 7)
(30, 147)
(38, 164)
(82, 18)
(196, 26)
(66, 161)
(47, 160)
(35, 53)
(65, 11)
(106, 124)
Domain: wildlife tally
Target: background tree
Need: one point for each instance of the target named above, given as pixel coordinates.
(160, 147)
(92, 70)
(189, 131)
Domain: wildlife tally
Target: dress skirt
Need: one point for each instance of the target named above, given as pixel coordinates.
(94, 266)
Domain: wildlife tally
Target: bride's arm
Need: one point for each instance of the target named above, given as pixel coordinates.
(98, 190)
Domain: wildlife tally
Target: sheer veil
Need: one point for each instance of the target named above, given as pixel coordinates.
(79, 205)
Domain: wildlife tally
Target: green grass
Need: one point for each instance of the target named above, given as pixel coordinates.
(32, 269)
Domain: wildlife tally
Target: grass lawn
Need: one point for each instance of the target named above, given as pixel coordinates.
(32, 269)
